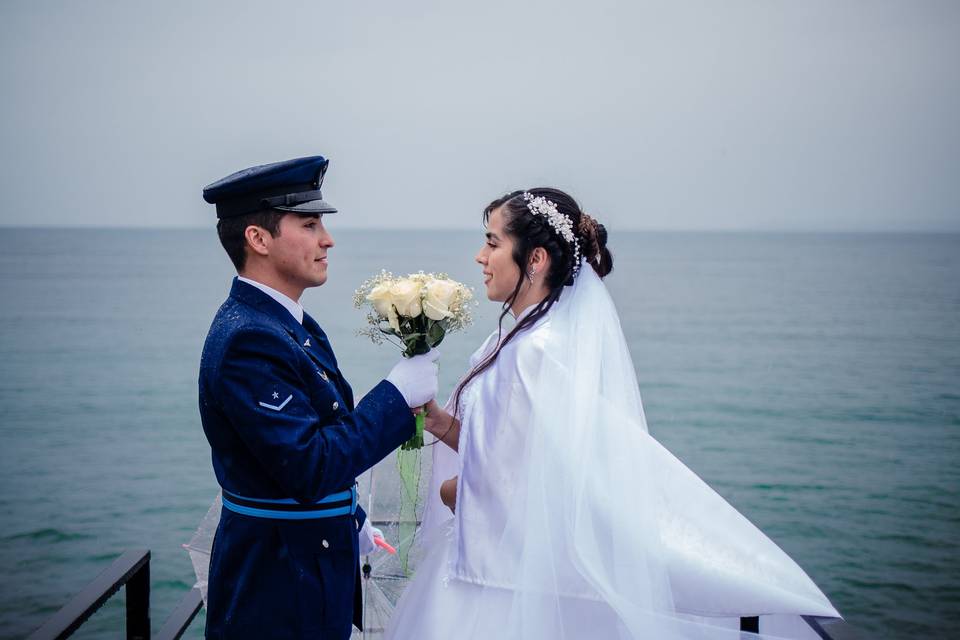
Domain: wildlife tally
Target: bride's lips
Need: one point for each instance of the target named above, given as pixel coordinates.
(487, 277)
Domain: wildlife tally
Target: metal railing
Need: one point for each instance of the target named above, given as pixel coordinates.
(838, 629)
(130, 570)
(182, 616)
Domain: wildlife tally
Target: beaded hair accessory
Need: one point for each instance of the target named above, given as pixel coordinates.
(540, 206)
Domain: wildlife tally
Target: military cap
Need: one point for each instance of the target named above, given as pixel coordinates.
(291, 185)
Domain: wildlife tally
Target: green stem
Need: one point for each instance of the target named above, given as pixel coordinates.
(416, 442)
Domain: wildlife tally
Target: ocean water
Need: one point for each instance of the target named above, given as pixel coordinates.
(813, 380)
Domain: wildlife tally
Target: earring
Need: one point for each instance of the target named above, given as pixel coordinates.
(530, 274)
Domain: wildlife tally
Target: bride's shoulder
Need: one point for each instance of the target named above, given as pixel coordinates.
(529, 345)
(484, 349)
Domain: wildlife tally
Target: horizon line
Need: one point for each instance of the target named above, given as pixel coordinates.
(889, 231)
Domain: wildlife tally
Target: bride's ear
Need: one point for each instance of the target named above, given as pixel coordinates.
(539, 261)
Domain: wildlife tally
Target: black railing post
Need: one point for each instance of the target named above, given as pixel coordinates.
(133, 565)
(138, 604)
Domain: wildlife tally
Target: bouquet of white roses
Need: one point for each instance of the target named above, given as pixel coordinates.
(419, 309)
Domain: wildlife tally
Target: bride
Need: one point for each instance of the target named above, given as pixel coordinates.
(552, 512)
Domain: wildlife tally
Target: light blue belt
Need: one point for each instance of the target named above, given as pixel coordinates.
(341, 503)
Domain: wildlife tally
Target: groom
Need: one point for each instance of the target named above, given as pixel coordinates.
(287, 440)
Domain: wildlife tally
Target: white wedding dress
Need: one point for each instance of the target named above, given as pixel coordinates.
(572, 521)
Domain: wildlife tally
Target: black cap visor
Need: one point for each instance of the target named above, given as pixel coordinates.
(314, 207)
(309, 202)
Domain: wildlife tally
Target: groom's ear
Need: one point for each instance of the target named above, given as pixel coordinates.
(256, 239)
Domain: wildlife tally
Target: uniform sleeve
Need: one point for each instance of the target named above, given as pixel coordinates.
(268, 402)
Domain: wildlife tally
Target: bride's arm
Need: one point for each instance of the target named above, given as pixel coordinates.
(442, 425)
(448, 493)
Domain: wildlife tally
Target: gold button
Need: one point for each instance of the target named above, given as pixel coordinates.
(336, 405)
(326, 545)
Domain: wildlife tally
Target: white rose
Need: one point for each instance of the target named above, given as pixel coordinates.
(405, 296)
(380, 298)
(438, 297)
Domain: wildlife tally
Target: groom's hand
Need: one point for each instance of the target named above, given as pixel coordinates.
(416, 378)
(368, 538)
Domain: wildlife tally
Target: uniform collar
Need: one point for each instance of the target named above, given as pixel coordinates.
(308, 335)
(253, 296)
(294, 307)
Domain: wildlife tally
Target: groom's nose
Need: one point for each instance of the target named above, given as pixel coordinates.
(326, 239)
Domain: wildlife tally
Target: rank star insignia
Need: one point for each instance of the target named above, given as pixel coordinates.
(307, 342)
(276, 407)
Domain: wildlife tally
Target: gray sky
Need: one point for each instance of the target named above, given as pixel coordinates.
(804, 115)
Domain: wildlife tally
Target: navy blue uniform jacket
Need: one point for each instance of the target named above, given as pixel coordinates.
(281, 423)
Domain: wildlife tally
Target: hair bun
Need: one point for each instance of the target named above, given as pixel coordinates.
(588, 232)
(594, 236)
(601, 235)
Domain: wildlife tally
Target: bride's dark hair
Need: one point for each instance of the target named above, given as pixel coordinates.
(529, 231)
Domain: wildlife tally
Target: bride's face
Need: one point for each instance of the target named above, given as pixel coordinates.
(500, 272)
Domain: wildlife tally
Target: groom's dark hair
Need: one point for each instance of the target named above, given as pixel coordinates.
(231, 232)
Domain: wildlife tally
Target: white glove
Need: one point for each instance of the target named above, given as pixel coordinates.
(416, 378)
(367, 534)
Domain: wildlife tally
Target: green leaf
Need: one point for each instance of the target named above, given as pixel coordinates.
(435, 334)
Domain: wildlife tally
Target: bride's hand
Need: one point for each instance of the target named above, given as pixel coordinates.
(437, 421)
(448, 493)
(430, 407)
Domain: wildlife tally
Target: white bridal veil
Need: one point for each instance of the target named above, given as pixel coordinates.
(572, 519)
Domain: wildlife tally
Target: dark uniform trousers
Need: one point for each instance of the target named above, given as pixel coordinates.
(281, 423)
